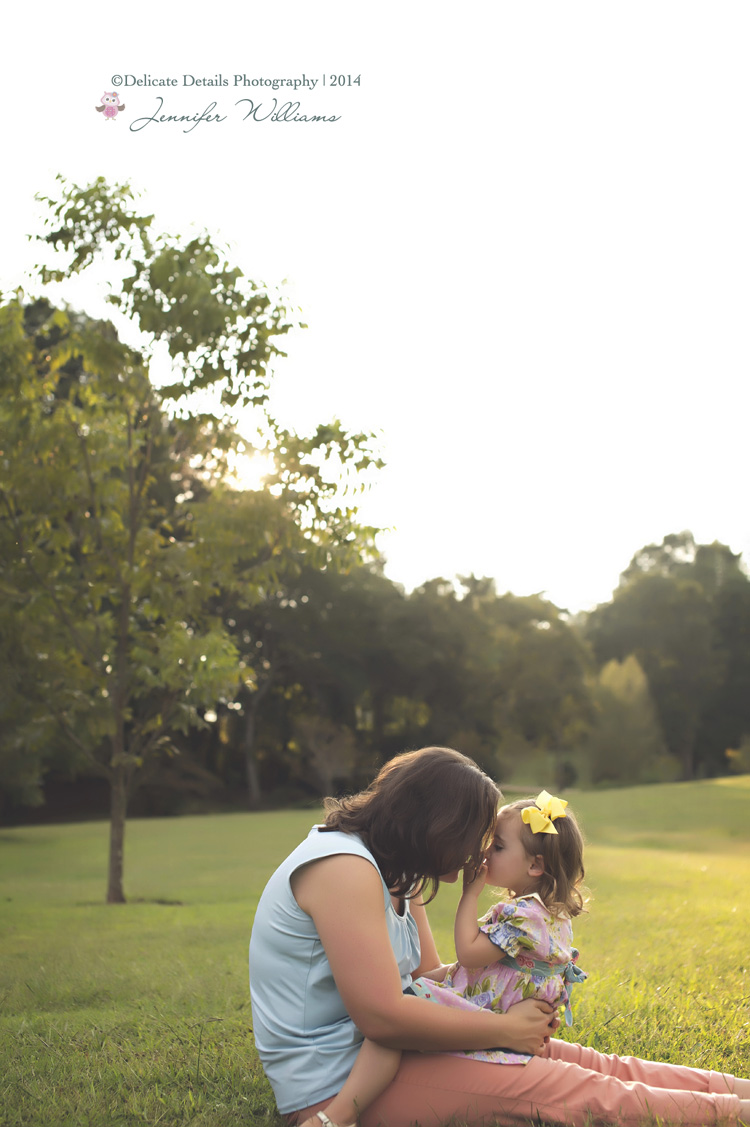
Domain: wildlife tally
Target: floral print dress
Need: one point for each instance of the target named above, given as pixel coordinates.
(540, 963)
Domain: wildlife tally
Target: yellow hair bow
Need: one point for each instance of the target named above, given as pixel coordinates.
(541, 817)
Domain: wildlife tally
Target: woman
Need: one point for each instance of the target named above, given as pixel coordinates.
(341, 930)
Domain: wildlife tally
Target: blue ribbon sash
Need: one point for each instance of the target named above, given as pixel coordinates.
(569, 972)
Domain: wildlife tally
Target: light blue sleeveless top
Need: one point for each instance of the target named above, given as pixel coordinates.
(306, 1040)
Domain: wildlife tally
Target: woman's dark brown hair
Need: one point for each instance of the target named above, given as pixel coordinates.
(561, 885)
(427, 813)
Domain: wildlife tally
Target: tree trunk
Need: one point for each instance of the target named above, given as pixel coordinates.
(686, 758)
(254, 792)
(378, 720)
(118, 811)
(119, 776)
(687, 748)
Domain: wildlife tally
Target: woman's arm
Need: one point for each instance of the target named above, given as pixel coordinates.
(344, 896)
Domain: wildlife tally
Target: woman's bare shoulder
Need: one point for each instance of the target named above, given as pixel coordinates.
(342, 872)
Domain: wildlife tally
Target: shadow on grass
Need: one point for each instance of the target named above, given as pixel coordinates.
(17, 837)
(133, 900)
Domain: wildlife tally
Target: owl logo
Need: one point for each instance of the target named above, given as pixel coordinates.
(110, 106)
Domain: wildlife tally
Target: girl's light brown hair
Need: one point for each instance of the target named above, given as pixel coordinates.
(427, 813)
(561, 884)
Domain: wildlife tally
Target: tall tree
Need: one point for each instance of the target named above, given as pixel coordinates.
(725, 720)
(680, 557)
(624, 742)
(107, 577)
(118, 534)
(666, 623)
(680, 609)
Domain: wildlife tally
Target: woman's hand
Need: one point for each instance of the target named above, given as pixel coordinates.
(527, 1026)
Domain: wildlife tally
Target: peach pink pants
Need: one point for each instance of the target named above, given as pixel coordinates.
(570, 1084)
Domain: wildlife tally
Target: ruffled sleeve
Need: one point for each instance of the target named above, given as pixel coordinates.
(519, 926)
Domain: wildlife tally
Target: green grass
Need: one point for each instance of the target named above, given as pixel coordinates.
(139, 1014)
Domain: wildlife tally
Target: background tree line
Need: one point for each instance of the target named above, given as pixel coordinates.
(191, 644)
(334, 668)
(651, 686)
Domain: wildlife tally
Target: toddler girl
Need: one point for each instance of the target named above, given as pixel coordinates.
(524, 945)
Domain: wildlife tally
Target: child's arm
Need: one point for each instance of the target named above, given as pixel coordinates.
(436, 974)
(473, 948)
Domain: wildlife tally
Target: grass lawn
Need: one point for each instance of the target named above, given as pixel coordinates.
(139, 1014)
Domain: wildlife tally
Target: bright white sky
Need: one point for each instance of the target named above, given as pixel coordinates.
(523, 251)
